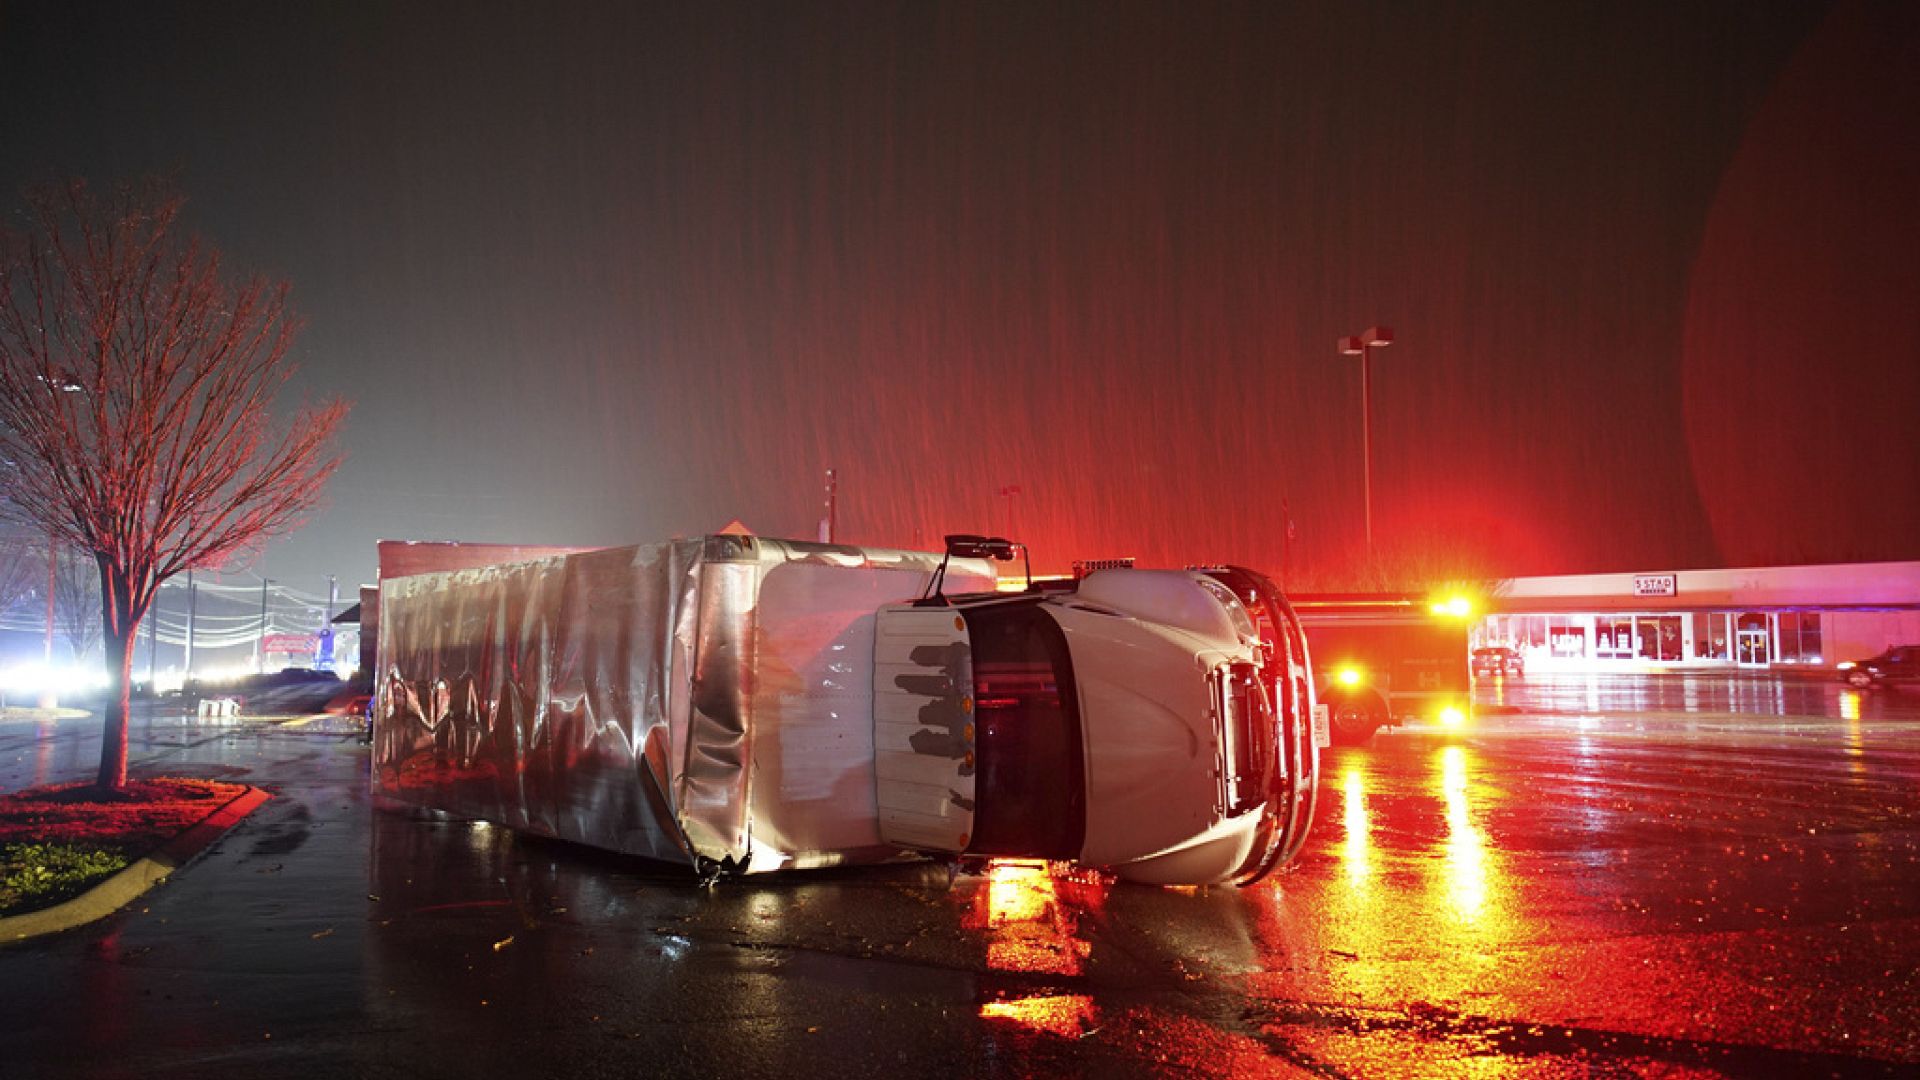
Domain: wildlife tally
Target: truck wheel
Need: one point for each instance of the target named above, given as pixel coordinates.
(1354, 720)
(1860, 679)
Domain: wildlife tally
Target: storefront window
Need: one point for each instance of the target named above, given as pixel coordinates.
(1657, 637)
(1799, 637)
(1752, 638)
(1613, 637)
(1566, 636)
(1710, 639)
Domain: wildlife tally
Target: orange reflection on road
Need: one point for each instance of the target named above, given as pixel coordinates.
(1026, 923)
(1067, 1015)
(1026, 926)
(1426, 875)
(1499, 687)
(1017, 893)
(1354, 853)
(1030, 930)
(1854, 746)
(1465, 847)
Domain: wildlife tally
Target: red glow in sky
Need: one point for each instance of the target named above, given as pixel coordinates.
(610, 275)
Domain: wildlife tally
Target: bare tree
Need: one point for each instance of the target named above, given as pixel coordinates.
(76, 601)
(136, 392)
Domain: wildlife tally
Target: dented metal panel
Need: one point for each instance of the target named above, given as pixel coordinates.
(924, 728)
(712, 789)
(702, 701)
(538, 694)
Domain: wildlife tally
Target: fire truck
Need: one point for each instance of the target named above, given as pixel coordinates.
(1383, 659)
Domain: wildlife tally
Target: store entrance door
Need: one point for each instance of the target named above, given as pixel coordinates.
(1752, 648)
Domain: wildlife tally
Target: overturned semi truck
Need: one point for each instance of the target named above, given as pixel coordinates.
(740, 704)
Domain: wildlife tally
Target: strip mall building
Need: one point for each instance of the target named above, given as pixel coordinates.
(1775, 617)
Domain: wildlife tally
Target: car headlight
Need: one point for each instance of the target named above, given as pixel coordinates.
(1845, 665)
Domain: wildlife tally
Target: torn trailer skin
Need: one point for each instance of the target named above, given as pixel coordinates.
(741, 704)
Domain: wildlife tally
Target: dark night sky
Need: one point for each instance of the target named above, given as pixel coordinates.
(605, 273)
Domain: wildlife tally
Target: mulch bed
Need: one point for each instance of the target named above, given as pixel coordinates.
(147, 814)
(57, 842)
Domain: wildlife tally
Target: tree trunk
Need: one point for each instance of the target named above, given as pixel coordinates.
(113, 734)
(122, 606)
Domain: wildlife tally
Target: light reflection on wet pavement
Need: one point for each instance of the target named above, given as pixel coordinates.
(1683, 877)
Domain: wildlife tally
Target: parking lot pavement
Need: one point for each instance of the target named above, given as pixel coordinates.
(1737, 696)
(1565, 891)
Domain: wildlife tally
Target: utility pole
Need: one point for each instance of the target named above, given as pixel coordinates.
(326, 628)
(260, 643)
(193, 605)
(53, 562)
(48, 699)
(153, 642)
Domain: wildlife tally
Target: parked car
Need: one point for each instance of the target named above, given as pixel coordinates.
(1498, 660)
(1897, 666)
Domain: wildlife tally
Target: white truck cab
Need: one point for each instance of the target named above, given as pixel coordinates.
(1139, 722)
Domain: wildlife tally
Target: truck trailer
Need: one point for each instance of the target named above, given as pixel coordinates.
(740, 704)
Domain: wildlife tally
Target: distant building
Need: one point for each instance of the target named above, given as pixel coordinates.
(1773, 617)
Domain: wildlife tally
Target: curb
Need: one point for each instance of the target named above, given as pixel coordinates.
(122, 888)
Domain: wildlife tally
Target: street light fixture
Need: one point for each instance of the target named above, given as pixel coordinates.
(1378, 337)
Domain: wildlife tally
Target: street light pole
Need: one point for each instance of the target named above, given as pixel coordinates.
(1378, 337)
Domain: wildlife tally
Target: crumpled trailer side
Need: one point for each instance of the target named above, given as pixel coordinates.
(704, 701)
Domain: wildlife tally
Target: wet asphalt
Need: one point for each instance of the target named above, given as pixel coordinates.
(1670, 876)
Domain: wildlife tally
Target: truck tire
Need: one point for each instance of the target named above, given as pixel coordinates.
(1354, 720)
